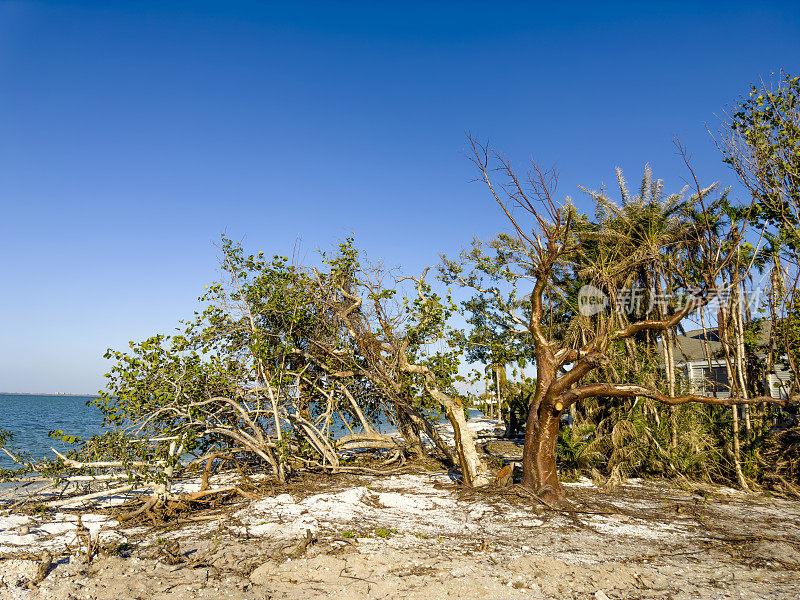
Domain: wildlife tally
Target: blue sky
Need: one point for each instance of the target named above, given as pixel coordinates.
(133, 134)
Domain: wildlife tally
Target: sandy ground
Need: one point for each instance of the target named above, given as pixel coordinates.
(423, 536)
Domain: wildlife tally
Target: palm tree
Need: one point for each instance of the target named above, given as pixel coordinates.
(642, 244)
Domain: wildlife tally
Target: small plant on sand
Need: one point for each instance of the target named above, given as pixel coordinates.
(384, 533)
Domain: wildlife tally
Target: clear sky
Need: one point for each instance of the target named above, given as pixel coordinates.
(133, 134)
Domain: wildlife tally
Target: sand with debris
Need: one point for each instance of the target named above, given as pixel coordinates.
(423, 536)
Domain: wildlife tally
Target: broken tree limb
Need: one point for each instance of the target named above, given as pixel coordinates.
(14, 458)
(316, 441)
(150, 503)
(105, 464)
(630, 391)
(93, 496)
(357, 410)
(359, 441)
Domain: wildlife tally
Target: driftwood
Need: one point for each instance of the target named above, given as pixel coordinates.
(93, 496)
(144, 508)
(359, 441)
(105, 464)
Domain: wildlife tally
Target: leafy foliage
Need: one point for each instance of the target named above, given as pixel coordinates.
(764, 149)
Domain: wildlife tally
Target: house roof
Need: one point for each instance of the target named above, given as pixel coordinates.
(689, 347)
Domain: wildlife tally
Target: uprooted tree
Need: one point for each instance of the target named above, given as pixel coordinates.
(386, 343)
(560, 281)
(286, 368)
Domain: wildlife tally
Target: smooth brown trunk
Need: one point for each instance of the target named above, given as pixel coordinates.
(539, 457)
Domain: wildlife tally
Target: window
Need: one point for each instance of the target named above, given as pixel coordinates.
(714, 379)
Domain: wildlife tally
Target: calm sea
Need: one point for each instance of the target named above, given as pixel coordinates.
(31, 418)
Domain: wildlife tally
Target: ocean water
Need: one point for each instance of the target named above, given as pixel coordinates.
(30, 418)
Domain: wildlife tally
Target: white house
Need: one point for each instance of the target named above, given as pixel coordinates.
(691, 360)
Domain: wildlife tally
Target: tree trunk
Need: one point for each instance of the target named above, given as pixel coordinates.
(724, 317)
(737, 451)
(410, 433)
(738, 323)
(539, 455)
(425, 425)
(669, 362)
(497, 390)
(472, 469)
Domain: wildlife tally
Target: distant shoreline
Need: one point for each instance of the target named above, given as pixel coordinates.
(55, 395)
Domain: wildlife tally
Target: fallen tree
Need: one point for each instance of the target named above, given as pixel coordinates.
(284, 369)
(386, 346)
